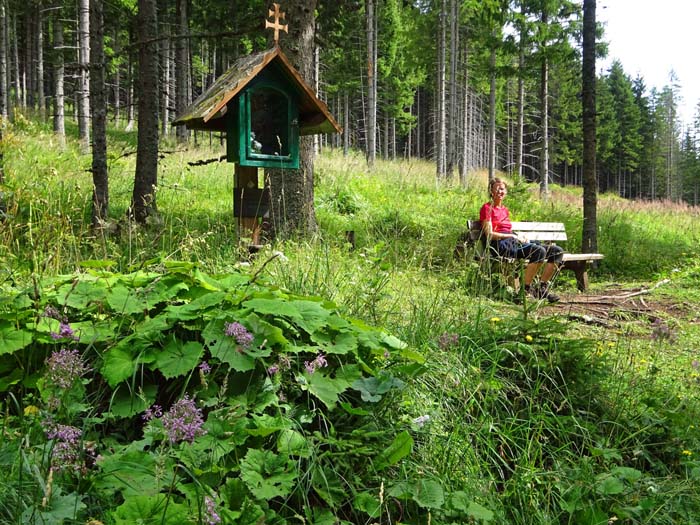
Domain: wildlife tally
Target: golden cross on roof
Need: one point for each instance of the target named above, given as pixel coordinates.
(276, 24)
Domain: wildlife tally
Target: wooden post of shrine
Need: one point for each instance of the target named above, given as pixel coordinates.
(246, 178)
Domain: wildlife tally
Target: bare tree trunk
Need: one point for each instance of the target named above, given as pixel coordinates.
(452, 114)
(371, 130)
(19, 92)
(492, 115)
(441, 138)
(84, 86)
(40, 62)
(117, 80)
(143, 202)
(544, 153)
(520, 127)
(346, 121)
(181, 66)
(464, 164)
(4, 84)
(165, 91)
(130, 104)
(98, 110)
(589, 242)
(59, 115)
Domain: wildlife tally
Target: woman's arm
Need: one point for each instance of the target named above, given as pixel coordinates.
(487, 228)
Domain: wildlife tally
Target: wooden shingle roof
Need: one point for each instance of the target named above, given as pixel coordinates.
(207, 111)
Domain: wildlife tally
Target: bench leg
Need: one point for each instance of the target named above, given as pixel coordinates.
(580, 269)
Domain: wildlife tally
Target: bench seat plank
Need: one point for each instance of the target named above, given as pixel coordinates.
(534, 231)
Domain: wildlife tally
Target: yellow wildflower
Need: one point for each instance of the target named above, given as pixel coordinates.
(528, 338)
(687, 453)
(31, 410)
(495, 319)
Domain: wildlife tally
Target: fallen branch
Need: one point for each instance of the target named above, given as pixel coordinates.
(206, 161)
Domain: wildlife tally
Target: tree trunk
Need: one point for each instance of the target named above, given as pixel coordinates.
(371, 126)
(441, 136)
(143, 202)
(452, 113)
(181, 66)
(165, 91)
(464, 164)
(40, 62)
(59, 114)
(98, 110)
(83, 81)
(346, 122)
(292, 193)
(492, 115)
(520, 126)
(117, 80)
(19, 92)
(589, 242)
(544, 119)
(4, 84)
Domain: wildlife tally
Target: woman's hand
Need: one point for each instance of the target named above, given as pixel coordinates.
(522, 237)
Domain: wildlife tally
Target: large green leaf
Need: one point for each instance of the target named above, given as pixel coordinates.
(150, 510)
(59, 509)
(118, 364)
(308, 315)
(399, 449)
(87, 291)
(327, 388)
(178, 358)
(373, 388)
(268, 475)
(125, 403)
(367, 503)
(428, 494)
(12, 339)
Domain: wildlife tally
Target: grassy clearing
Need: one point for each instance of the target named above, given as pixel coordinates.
(540, 419)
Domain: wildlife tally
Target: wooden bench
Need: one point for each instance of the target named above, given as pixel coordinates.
(546, 232)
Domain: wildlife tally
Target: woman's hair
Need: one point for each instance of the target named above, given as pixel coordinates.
(496, 182)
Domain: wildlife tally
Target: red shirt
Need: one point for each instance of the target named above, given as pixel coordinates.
(499, 217)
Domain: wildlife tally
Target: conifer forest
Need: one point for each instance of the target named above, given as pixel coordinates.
(467, 84)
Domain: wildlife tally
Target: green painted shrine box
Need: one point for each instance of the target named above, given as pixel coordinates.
(262, 126)
(264, 106)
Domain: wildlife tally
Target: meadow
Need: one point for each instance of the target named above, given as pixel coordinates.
(161, 374)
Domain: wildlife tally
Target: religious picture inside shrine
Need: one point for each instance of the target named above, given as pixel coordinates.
(269, 122)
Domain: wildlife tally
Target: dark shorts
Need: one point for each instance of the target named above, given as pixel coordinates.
(535, 252)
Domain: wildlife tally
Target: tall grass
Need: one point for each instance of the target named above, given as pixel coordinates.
(539, 420)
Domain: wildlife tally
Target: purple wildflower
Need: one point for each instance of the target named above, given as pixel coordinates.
(52, 313)
(273, 370)
(204, 367)
(211, 515)
(240, 333)
(152, 412)
(183, 422)
(448, 340)
(66, 447)
(64, 332)
(319, 362)
(65, 366)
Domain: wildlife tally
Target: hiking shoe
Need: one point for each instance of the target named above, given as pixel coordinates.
(542, 292)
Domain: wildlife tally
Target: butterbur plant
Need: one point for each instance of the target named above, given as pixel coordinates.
(237, 442)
